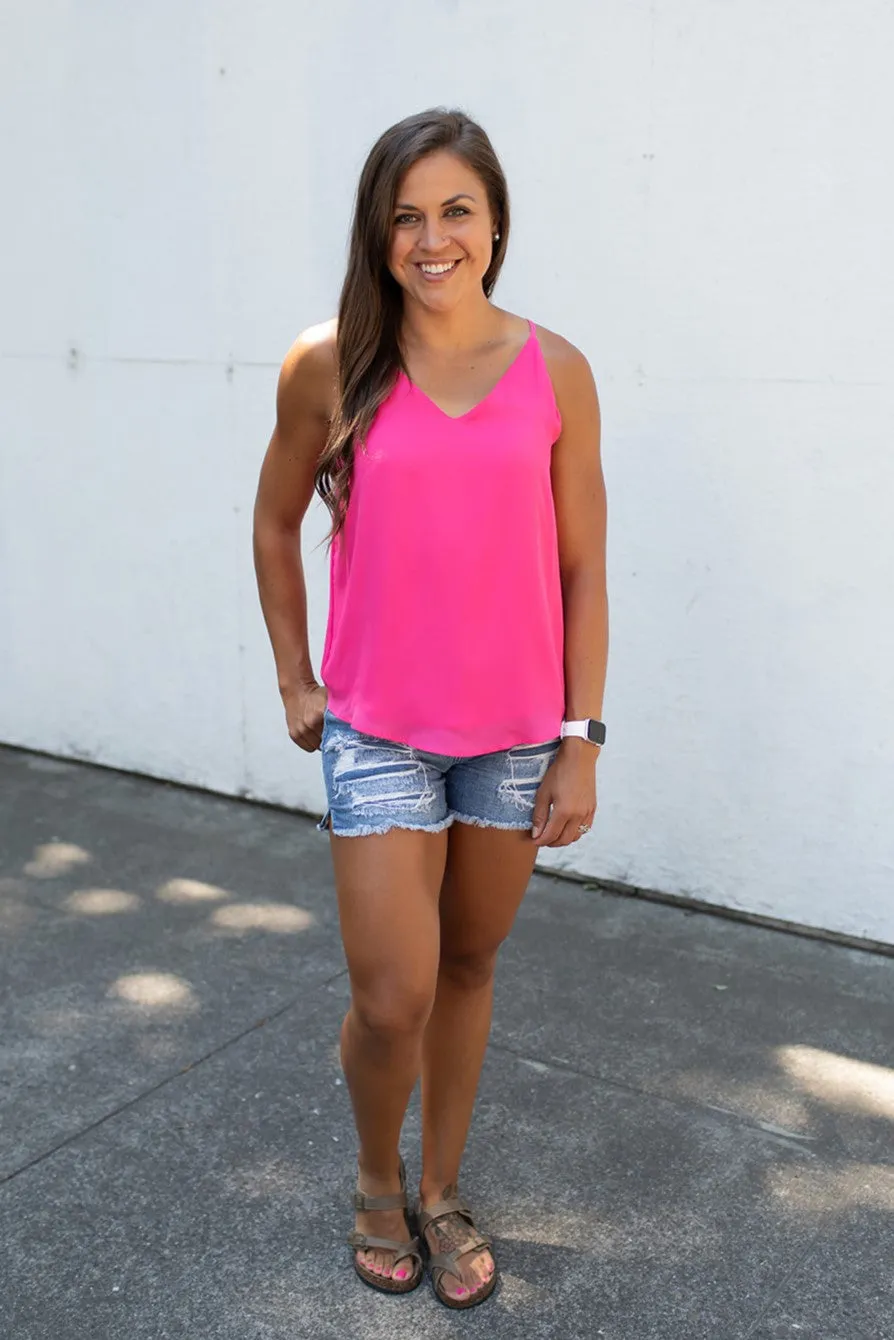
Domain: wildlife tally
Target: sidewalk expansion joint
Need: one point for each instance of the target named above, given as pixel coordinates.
(794, 1139)
(273, 1015)
(781, 1284)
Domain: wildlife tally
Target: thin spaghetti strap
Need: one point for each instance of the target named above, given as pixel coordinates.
(545, 377)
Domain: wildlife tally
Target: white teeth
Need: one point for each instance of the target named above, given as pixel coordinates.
(437, 269)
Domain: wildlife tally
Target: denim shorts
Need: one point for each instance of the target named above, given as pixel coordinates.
(373, 784)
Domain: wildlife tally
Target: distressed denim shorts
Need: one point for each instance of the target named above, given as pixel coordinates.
(373, 784)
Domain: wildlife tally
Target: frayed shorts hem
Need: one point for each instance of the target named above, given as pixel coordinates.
(371, 830)
(489, 823)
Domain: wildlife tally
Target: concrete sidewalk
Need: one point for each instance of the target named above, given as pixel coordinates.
(684, 1127)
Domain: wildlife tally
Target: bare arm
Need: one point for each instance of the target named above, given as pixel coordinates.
(285, 489)
(581, 517)
(581, 521)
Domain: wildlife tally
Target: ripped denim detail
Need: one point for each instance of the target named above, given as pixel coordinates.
(528, 765)
(368, 775)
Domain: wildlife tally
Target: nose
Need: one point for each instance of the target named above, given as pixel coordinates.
(433, 238)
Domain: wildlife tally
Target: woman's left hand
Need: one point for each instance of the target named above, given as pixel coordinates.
(569, 786)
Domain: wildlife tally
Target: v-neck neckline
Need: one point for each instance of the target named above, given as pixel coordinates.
(456, 418)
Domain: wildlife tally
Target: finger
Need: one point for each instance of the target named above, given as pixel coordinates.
(551, 830)
(540, 821)
(570, 832)
(542, 816)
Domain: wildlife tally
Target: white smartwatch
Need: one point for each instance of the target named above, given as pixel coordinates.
(588, 729)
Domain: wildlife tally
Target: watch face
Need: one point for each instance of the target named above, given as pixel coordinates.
(596, 731)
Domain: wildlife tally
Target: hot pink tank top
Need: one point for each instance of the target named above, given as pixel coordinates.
(445, 628)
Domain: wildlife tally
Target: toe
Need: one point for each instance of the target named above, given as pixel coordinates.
(484, 1268)
(403, 1269)
(453, 1287)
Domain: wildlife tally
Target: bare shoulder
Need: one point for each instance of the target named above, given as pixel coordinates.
(305, 399)
(572, 382)
(307, 377)
(316, 341)
(564, 360)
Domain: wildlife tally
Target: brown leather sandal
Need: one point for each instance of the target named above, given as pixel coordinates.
(441, 1262)
(402, 1250)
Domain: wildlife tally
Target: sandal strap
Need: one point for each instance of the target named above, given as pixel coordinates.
(456, 1205)
(364, 1240)
(396, 1201)
(449, 1261)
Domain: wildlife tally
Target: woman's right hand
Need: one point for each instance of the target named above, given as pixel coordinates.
(305, 707)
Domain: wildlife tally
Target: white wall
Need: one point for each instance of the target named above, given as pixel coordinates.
(701, 202)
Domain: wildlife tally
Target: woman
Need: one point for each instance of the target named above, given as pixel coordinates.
(456, 446)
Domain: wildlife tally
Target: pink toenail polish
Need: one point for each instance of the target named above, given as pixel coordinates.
(401, 1275)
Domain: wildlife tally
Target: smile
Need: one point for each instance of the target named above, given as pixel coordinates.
(437, 269)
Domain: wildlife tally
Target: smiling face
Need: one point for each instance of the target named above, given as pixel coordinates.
(442, 231)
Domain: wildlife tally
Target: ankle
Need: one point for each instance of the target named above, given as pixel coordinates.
(375, 1179)
(432, 1190)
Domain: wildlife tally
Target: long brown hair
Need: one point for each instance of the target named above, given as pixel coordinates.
(371, 302)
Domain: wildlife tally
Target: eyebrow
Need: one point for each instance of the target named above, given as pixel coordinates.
(462, 195)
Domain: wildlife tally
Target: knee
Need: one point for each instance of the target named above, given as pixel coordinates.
(391, 1011)
(469, 970)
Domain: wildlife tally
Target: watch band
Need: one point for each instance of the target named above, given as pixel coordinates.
(588, 728)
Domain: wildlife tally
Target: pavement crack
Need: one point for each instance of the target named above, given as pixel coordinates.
(755, 1124)
(775, 1293)
(174, 1075)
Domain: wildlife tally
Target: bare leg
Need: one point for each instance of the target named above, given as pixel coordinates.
(387, 888)
(486, 875)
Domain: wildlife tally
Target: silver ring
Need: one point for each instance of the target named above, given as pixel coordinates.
(583, 828)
